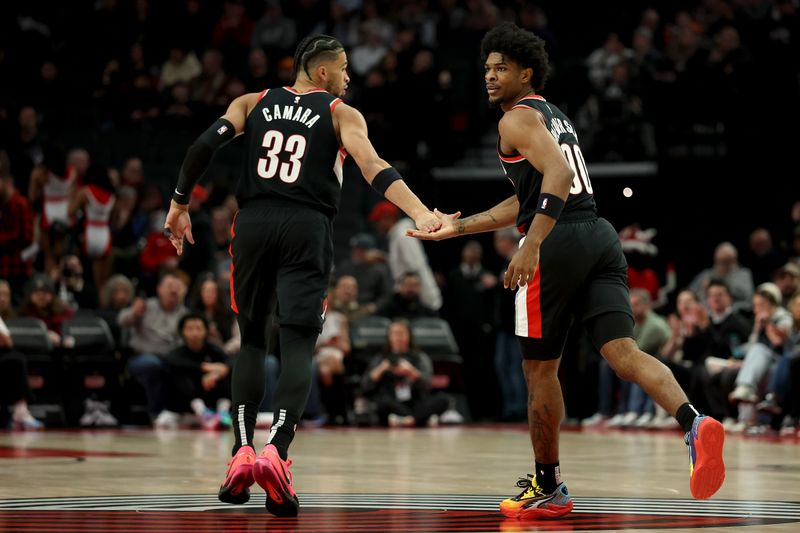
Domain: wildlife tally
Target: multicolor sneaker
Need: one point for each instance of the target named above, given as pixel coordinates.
(534, 503)
(705, 442)
(273, 475)
(27, 423)
(225, 419)
(236, 488)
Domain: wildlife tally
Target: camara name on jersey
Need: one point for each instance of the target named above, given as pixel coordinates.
(290, 112)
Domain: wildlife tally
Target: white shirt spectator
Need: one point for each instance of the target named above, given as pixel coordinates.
(407, 255)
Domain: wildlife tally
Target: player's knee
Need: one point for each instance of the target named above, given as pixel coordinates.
(622, 355)
(540, 370)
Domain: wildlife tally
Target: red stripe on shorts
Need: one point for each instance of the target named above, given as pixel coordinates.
(533, 303)
(234, 307)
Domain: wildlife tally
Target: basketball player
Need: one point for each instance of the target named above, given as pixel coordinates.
(297, 139)
(569, 269)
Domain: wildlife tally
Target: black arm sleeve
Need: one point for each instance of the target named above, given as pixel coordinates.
(198, 157)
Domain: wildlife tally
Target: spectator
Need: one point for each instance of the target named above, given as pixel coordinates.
(79, 160)
(157, 252)
(233, 33)
(208, 89)
(27, 147)
(790, 401)
(132, 174)
(726, 267)
(370, 52)
(14, 383)
(199, 257)
(257, 78)
(333, 345)
(406, 255)
(770, 331)
(407, 302)
(71, 284)
(372, 276)
(153, 326)
(787, 278)
(469, 297)
(602, 61)
(274, 32)
(16, 234)
(763, 258)
(399, 382)
(6, 311)
(507, 355)
(116, 295)
(139, 103)
(779, 388)
(43, 303)
(344, 299)
(199, 375)
(178, 110)
(651, 333)
(221, 228)
(208, 302)
(181, 66)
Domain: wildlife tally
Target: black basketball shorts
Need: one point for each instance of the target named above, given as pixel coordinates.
(281, 255)
(582, 274)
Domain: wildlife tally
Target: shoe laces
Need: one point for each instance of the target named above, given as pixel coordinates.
(529, 488)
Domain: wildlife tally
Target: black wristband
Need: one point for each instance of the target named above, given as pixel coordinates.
(550, 205)
(384, 178)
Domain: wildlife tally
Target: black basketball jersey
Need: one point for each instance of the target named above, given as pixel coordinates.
(527, 179)
(292, 150)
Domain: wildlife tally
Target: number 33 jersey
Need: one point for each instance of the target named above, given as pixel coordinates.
(292, 150)
(527, 179)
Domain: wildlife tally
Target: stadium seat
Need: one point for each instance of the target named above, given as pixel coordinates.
(434, 337)
(44, 372)
(30, 336)
(368, 335)
(88, 338)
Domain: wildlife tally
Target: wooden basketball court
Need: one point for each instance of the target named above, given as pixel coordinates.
(352, 480)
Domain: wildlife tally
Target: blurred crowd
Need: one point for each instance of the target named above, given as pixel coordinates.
(107, 95)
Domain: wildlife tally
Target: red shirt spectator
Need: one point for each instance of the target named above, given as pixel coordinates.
(42, 303)
(16, 233)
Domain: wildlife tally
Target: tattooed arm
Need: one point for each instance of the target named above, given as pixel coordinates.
(498, 217)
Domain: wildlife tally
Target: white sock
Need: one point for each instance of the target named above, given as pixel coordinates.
(198, 406)
(223, 405)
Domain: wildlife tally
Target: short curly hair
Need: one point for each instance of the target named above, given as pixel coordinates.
(520, 45)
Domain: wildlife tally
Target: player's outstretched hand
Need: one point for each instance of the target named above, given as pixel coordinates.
(178, 225)
(428, 222)
(445, 231)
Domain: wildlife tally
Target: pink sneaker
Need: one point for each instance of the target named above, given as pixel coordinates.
(236, 487)
(273, 475)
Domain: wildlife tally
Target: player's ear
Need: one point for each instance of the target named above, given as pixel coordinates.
(527, 75)
(322, 72)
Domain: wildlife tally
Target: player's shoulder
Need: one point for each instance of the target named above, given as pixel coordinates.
(345, 112)
(520, 117)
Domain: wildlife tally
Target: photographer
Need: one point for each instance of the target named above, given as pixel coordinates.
(399, 381)
(72, 287)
